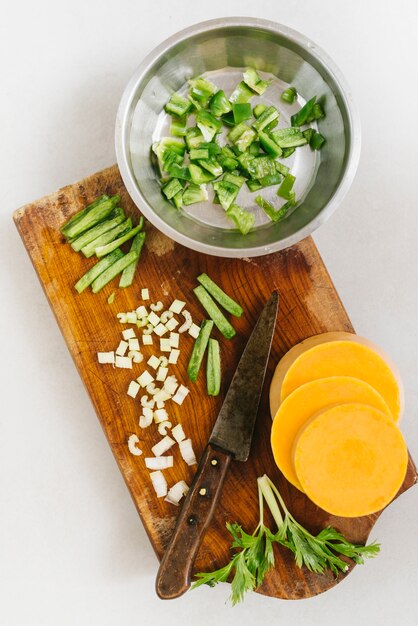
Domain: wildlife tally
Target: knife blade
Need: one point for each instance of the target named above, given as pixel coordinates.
(230, 439)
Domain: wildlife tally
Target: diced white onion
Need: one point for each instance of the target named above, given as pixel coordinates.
(147, 340)
(171, 324)
(174, 340)
(162, 396)
(159, 483)
(178, 433)
(194, 331)
(144, 421)
(165, 316)
(129, 333)
(160, 404)
(170, 385)
(180, 394)
(158, 306)
(133, 344)
(174, 355)
(132, 441)
(145, 294)
(141, 311)
(153, 319)
(177, 306)
(122, 348)
(106, 357)
(186, 451)
(162, 446)
(124, 362)
(176, 492)
(165, 345)
(160, 415)
(163, 427)
(154, 362)
(162, 374)
(187, 322)
(160, 330)
(158, 462)
(131, 317)
(136, 356)
(147, 331)
(146, 402)
(145, 378)
(152, 389)
(122, 318)
(133, 389)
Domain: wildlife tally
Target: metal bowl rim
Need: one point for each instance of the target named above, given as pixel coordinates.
(354, 132)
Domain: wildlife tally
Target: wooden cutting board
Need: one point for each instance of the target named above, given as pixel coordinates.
(309, 305)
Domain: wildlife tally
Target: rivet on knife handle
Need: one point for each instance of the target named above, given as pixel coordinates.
(174, 574)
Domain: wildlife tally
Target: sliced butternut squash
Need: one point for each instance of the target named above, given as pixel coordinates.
(288, 359)
(344, 358)
(351, 460)
(298, 408)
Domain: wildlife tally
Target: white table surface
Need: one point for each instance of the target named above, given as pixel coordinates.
(72, 549)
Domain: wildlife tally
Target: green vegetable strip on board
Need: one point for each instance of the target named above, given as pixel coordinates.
(96, 214)
(214, 312)
(213, 368)
(97, 269)
(220, 296)
(103, 250)
(107, 237)
(199, 348)
(128, 273)
(112, 271)
(115, 218)
(81, 214)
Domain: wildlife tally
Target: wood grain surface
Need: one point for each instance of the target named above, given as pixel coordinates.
(309, 305)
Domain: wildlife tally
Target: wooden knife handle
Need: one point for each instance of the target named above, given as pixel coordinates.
(174, 574)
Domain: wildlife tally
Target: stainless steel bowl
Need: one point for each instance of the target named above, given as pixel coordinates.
(222, 48)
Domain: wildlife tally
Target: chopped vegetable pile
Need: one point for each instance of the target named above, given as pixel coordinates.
(100, 229)
(255, 556)
(194, 155)
(153, 325)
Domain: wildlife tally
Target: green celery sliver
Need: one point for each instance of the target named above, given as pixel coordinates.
(115, 218)
(129, 272)
(213, 368)
(95, 215)
(112, 271)
(220, 296)
(214, 312)
(103, 250)
(107, 237)
(97, 269)
(199, 348)
(80, 214)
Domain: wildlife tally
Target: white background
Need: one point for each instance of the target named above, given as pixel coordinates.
(72, 548)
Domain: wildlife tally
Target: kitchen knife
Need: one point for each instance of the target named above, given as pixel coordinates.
(230, 439)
